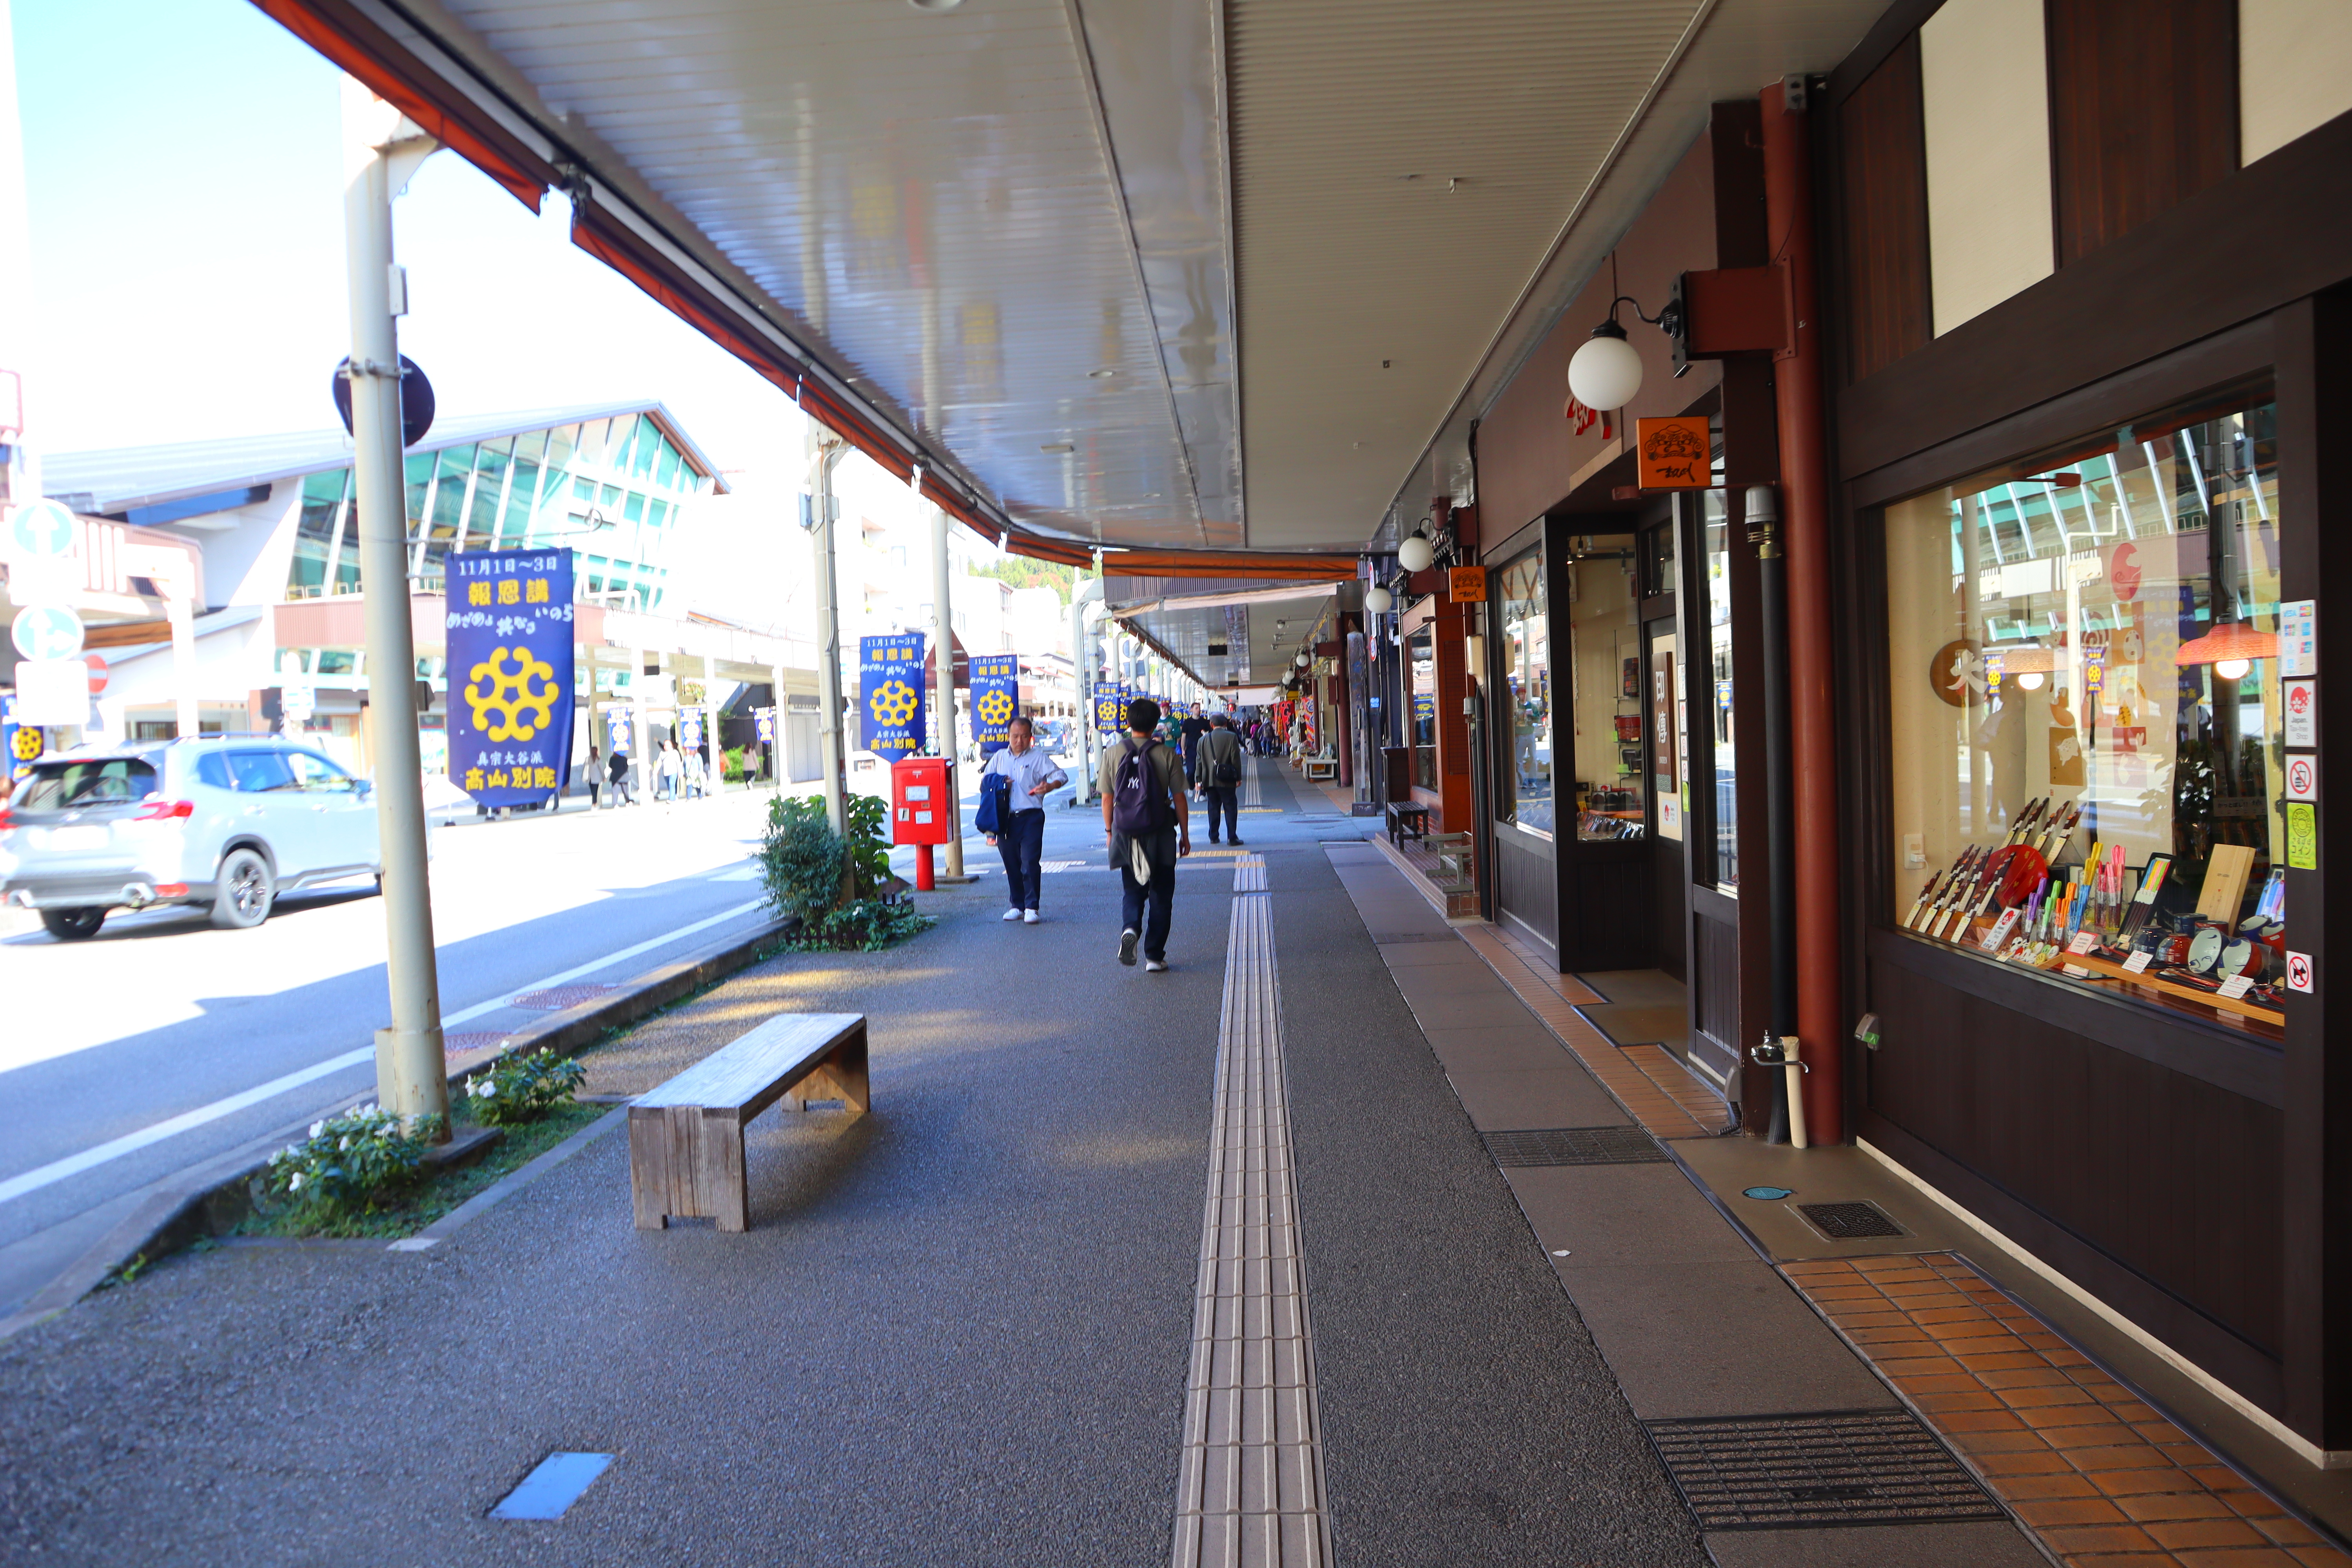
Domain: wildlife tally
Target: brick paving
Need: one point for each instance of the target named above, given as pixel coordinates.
(2101, 1479)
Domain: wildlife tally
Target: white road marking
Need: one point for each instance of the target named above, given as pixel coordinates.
(132, 1142)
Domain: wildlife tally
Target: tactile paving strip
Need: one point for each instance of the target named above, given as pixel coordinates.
(1826, 1468)
(1251, 1487)
(1575, 1146)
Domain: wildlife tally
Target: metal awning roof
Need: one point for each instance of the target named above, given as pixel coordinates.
(1189, 274)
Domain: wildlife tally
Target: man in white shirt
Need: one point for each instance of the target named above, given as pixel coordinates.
(1020, 836)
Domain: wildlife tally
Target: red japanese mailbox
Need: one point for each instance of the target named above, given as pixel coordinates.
(920, 810)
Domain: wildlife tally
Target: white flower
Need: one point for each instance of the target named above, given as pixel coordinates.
(317, 1128)
(490, 1088)
(342, 1145)
(296, 1184)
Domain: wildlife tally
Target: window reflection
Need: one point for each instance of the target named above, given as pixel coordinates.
(1608, 687)
(1525, 795)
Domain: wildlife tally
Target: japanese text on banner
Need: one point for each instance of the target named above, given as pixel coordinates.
(890, 698)
(995, 699)
(509, 662)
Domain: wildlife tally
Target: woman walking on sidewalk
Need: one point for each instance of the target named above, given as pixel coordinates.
(1030, 776)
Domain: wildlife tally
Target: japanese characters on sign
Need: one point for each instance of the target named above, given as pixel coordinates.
(510, 653)
(890, 705)
(995, 699)
(1675, 453)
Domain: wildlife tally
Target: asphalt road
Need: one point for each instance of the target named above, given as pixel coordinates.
(163, 1043)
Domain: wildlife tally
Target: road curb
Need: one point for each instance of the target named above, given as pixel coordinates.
(212, 1197)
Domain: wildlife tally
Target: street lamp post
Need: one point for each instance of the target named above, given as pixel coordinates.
(825, 451)
(380, 149)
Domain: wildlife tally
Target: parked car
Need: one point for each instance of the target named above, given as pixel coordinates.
(226, 822)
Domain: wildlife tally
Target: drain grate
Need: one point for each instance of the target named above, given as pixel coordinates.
(559, 997)
(1575, 1146)
(1850, 1222)
(1829, 1468)
(458, 1044)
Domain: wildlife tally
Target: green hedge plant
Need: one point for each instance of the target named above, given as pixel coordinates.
(353, 1165)
(523, 1088)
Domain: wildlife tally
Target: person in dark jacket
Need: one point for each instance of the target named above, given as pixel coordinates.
(619, 774)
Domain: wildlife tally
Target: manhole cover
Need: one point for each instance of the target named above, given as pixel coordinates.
(1850, 1222)
(1829, 1468)
(556, 996)
(1575, 1146)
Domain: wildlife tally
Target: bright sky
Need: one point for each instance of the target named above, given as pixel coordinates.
(186, 224)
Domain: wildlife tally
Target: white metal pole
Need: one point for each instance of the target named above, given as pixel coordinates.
(1081, 686)
(943, 642)
(826, 449)
(411, 1072)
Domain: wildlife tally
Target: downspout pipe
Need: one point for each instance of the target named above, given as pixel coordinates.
(1797, 386)
(1763, 515)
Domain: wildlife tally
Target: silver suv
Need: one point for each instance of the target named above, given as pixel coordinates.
(228, 822)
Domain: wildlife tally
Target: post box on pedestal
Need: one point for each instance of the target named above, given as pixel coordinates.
(920, 810)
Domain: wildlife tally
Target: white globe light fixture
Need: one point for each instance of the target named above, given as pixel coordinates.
(1301, 660)
(1416, 553)
(1378, 600)
(1606, 373)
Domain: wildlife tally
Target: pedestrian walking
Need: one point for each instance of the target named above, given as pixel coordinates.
(1146, 824)
(1219, 774)
(1193, 728)
(596, 775)
(695, 786)
(618, 776)
(1030, 776)
(670, 770)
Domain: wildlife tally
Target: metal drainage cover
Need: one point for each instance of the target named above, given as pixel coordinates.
(1575, 1146)
(1850, 1222)
(1832, 1467)
(559, 997)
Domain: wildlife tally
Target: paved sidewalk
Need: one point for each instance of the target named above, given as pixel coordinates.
(958, 1330)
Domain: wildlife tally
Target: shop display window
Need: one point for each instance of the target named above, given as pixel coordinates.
(1609, 692)
(1724, 800)
(1421, 701)
(2092, 705)
(1524, 793)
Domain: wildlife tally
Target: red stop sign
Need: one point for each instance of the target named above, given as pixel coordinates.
(96, 662)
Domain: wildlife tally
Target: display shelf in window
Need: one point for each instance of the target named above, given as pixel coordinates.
(2087, 733)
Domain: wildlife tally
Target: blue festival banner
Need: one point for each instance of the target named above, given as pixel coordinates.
(890, 708)
(620, 730)
(510, 668)
(1110, 703)
(995, 699)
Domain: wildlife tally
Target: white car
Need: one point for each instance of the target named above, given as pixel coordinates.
(223, 822)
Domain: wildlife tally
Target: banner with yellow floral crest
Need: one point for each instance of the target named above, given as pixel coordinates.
(509, 652)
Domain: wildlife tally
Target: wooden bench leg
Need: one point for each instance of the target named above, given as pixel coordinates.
(649, 1168)
(724, 1192)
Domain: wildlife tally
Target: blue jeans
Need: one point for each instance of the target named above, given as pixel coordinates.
(1224, 804)
(1021, 840)
(1160, 893)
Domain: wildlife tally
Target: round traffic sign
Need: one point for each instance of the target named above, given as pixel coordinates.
(97, 676)
(47, 631)
(43, 529)
(415, 399)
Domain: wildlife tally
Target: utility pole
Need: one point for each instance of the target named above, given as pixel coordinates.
(381, 149)
(825, 452)
(1082, 684)
(944, 643)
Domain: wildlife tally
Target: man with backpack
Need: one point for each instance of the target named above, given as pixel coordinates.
(1218, 773)
(1146, 824)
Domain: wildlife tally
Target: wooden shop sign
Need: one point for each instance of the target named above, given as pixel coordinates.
(1675, 454)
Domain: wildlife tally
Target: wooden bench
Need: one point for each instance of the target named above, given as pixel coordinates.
(686, 1138)
(1407, 820)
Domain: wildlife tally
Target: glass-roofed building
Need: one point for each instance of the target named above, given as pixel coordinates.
(612, 484)
(280, 636)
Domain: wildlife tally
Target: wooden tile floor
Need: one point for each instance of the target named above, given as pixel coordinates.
(2103, 1479)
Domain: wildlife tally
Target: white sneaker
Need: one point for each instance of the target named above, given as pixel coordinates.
(1127, 941)
(1029, 917)
(1012, 915)
(1155, 966)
